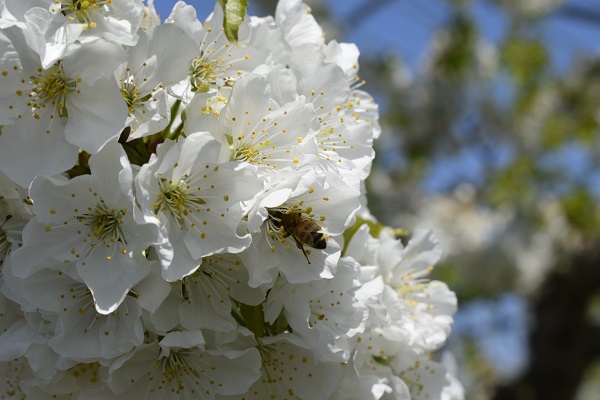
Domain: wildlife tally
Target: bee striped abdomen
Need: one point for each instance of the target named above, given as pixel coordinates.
(304, 230)
(319, 240)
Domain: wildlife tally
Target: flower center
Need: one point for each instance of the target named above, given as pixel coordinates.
(410, 282)
(51, 87)
(175, 369)
(81, 10)
(130, 92)
(177, 198)
(105, 223)
(202, 73)
(245, 150)
(409, 288)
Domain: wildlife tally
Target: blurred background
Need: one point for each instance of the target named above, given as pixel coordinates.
(490, 112)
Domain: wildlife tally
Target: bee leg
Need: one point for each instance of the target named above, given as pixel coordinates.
(301, 247)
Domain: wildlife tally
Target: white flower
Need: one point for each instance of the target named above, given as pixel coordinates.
(13, 373)
(345, 143)
(406, 322)
(199, 201)
(454, 390)
(52, 28)
(80, 333)
(92, 221)
(217, 62)
(47, 112)
(414, 302)
(291, 371)
(153, 289)
(179, 367)
(82, 380)
(300, 29)
(371, 381)
(207, 304)
(303, 213)
(324, 313)
(265, 33)
(385, 364)
(253, 128)
(151, 17)
(420, 309)
(25, 336)
(160, 59)
(14, 215)
(362, 106)
(12, 14)
(426, 379)
(203, 300)
(18, 332)
(345, 55)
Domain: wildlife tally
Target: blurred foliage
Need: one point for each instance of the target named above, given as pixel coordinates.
(456, 56)
(547, 111)
(525, 59)
(580, 209)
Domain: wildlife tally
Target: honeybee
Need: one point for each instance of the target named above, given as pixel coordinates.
(304, 230)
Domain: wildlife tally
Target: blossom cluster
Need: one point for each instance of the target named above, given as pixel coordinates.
(176, 209)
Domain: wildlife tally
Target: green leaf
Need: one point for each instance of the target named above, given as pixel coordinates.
(580, 210)
(526, 59)
(233, 16)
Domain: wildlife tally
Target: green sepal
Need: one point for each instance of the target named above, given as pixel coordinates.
(234, 12)
(253, 318)
(375, 229)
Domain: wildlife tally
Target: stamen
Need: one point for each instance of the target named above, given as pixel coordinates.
(178, 199)
(105, 223)
(82, 10)
(50, 88)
